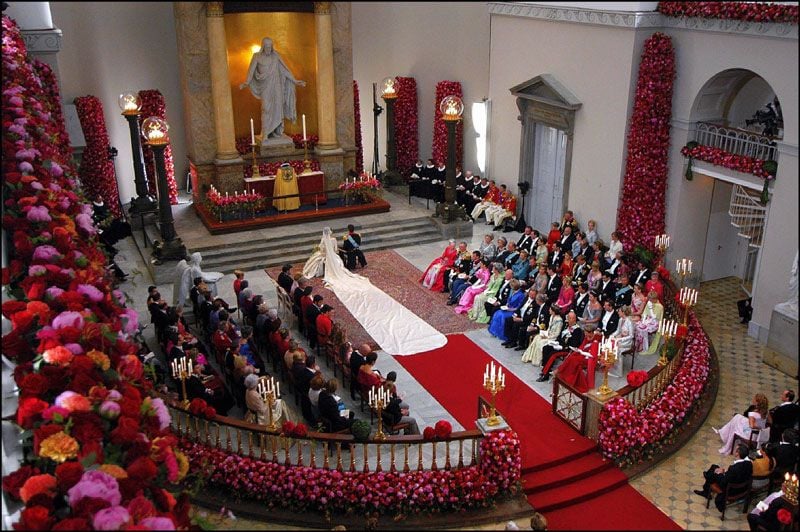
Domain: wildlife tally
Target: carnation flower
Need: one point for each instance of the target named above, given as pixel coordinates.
(85, 223)
(58, 356)
(161, 412)
(114, 470)
(68, 318)
(73, 402)
(38, 485)
(38, 214)
(59, 447)
(109, 409)
(100, 359)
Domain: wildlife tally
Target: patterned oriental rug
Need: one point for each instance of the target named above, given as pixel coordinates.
(399, 278)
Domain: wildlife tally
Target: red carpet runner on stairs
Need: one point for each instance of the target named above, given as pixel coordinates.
(563, 475)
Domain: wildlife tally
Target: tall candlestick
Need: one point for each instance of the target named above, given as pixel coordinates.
(304, 128)
(252, 133)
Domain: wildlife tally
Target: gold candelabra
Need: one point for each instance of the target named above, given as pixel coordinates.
(255, 163)
(667, 328)
(789, 488)
(270, 392)
(494, 380)
(683, 268)
(306, 162)
(687, 298)
(181, 370)
(662, 243)
(378, 400)
(608, 356)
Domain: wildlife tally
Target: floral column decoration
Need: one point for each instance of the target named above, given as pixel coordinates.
(357, 122)
(439, 148)
(52, 99)
(642, 211)
(97, 169)
(153, 104)
(406, 128)
(747, 11)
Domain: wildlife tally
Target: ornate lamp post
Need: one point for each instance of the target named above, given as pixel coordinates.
(452, 108)
(155, 130)
(389, 95)
(130, 104)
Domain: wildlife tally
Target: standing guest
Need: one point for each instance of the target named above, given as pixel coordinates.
(311, 313)
(244, 284)
(237, 282)
(655, 285)
(591, 232)
(553, 236)
(285, 279)
(352, 248)
(740, 471)
(472, 194)
(179, 292)
(433, 278)
(784, 416)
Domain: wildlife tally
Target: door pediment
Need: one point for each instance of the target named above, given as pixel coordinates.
(546, 89)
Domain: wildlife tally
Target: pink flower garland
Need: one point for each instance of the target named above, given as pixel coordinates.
(406, 127)
(100, 451)
(153, 104)
(439, 148)
(748, 11)
(53, 101)
(357, 121)
(265, 168)
(642, 211)
(97, 169)
(720, 157)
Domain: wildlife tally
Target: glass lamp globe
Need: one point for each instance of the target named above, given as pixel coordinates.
(388, 89)
(451, 108)
(129, 102)
(154, 130)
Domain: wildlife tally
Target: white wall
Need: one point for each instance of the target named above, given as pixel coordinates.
(30, 15)
(430, 42)
(753, 96)
(109, 48)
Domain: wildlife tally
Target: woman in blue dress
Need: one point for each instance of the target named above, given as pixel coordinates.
(515, 301)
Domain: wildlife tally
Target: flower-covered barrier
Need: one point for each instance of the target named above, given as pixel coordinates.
(265, 168)
(305, 488)
(365, 188)
(642, 211)
(97, 169)
(297, 139)
(732, 161)
(406, 125)
(153, 104)
(357, 122)
(747, 11)
(439, 148)
(627, 435)
(242, 205)
(99, 451)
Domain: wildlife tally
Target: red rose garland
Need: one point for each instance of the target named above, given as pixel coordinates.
(357, 122)
(100, 449)
(642, 210)
(153, 104)
(720, 157)
(747, 11)
(406, 127)
(265, 168)
(97, 169)
(439, 148)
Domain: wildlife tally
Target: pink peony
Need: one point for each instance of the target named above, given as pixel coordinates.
(53, 292)
(68, 318)
(75, 349)
(158, 523)
(46, 253)
(39, 214)
(25, 166)
(112, 518)
(109, 409)
(84, 223)
(161, 412)
(95, 484)
(91, 292)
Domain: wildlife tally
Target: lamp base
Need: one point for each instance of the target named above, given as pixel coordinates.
(392, 178)
(142, 204)
(170, 250)
(449, 212)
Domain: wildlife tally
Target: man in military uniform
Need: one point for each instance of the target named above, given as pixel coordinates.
(352, 248)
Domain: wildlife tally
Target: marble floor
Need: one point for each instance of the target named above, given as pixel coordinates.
(669, 485)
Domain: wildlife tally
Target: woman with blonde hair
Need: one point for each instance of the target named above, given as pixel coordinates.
(742, 426)
(533, 353)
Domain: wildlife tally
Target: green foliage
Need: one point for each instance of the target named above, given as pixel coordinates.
(360, 430)
(644, 255)
(770, 167)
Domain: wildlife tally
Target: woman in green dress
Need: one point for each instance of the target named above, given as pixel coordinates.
(478, 311)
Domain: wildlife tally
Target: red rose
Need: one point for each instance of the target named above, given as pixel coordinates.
(14, 481)
(197, 406)
(68, 474)
(126, 431)
(210, 412)
(29, 410)
(72, 523)
(443, 429)
(87, 426)
(429, 433)
(300, 430)
(83, 382)
(88, 506)
(81, 364)
(287, 427)
(130, 368)
(142, 469)
(34, 518)
(34, 384)
(784, 516)
(23, 321)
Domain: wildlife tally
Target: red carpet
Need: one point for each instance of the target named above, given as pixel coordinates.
(563, 476)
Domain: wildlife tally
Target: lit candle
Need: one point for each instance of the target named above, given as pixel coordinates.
(304, 128)
(690, 266)
(252, 133)
(278, 391)
(190, 366)
(678, 266)
(226, 193)
(503, 381)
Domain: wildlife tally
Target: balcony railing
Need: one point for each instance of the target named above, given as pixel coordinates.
(735, 141)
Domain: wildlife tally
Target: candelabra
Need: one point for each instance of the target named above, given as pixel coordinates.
(688, 298)
(789, 488)
(667, 328)
(181, 369)
(256, 173)
(270, 393)
(662, 243)
(494, 380)
(683, 268)
(378, 400)
(608, 356)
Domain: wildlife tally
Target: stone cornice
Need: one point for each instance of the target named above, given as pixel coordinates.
(634, 20)
(42, 41)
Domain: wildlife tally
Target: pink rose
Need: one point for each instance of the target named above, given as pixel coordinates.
(112, 518)
(95, 484)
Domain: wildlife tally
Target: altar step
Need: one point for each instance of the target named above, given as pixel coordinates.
(268, 252)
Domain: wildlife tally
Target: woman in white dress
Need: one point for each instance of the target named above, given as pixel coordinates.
(623, 337)
(648, 324)
(743, 426)
(533, 353)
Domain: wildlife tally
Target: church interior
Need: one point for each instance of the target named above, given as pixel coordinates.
(253, 250)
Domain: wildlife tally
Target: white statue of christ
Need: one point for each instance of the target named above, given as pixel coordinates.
(271, 82)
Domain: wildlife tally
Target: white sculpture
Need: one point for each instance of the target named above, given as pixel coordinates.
(271, 81)
(792, 301)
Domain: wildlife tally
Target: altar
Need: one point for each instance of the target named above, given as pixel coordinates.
(311, 187)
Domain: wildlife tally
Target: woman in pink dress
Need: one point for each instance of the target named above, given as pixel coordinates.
(433, 278)
(638, 302)
(566, 296)
(468, 297)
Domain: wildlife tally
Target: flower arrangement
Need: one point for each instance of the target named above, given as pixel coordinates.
(406, 125)
(243, 146)
(289, 429)
(52, 99)
(642, 210)
(439, 148)
(200, 407)
(357, 122)
(153, 104)
(242, 204)
(637, 377)
(732, 161)
(297, 138)
(99, 451)
(97, 169)
(747, 11)
(302, 488)
(265, 168)
(626, 435)
(365, 187)
(441, 431)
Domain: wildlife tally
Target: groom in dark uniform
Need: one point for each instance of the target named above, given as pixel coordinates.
(352, 248)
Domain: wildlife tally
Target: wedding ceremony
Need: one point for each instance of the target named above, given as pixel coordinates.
(400, 266)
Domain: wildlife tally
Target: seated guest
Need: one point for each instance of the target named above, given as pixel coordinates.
(507, 211)
(461, 264)
(491, 210)
(474, 289)
(578, 368)
(615, 265)
(614, 246)
(280, 339)
(355, 360)
(742, 426)
(331, 407)
(591, 232)
(502, 249)
(526, 241)
(533, 353)
(251, 310)
(568, 221)
(785, 415)
(522, 267)
(367, 375)
(595, 277)
(648, 325)
(553, 236)
(542, 252)
(623, 293)
(488, 248)
(578, 244)
(609, 319)
(311, 313)
(540, 279)
(460, 283)
(776, 512)
(581, 299)
(565, 269)
(294, 352)
(555, 258)
(571, 336)
(491, 198)
(786, 452)
(654, 284)
(566, 296)
(303, 376)
(315, 388)
(641, 275)
(598, 250)
(257, 409)
(433, 278)
(196, 388)
(249, 351)
(566, 239)
(220, 340)
(638, 302)
(480, 305)
(623, 336)
(607, 288)
(740, 471)
(285, 279)
(515, 326)
(590, 318)
(398, 412)
(763, 465)
(324, 325)
(515, 301)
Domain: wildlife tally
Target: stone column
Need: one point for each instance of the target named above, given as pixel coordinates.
(326, 89)
(220, 86)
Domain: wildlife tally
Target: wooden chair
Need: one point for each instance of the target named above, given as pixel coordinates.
(741, 492)
(758, 490)
(629, 353)
(757, 438)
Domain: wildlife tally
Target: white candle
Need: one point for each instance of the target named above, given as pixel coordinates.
(252, 133)
(503, 381)
(690, 266)
(304, 128)
(226, 193)
(278, 391)
(190, 366)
